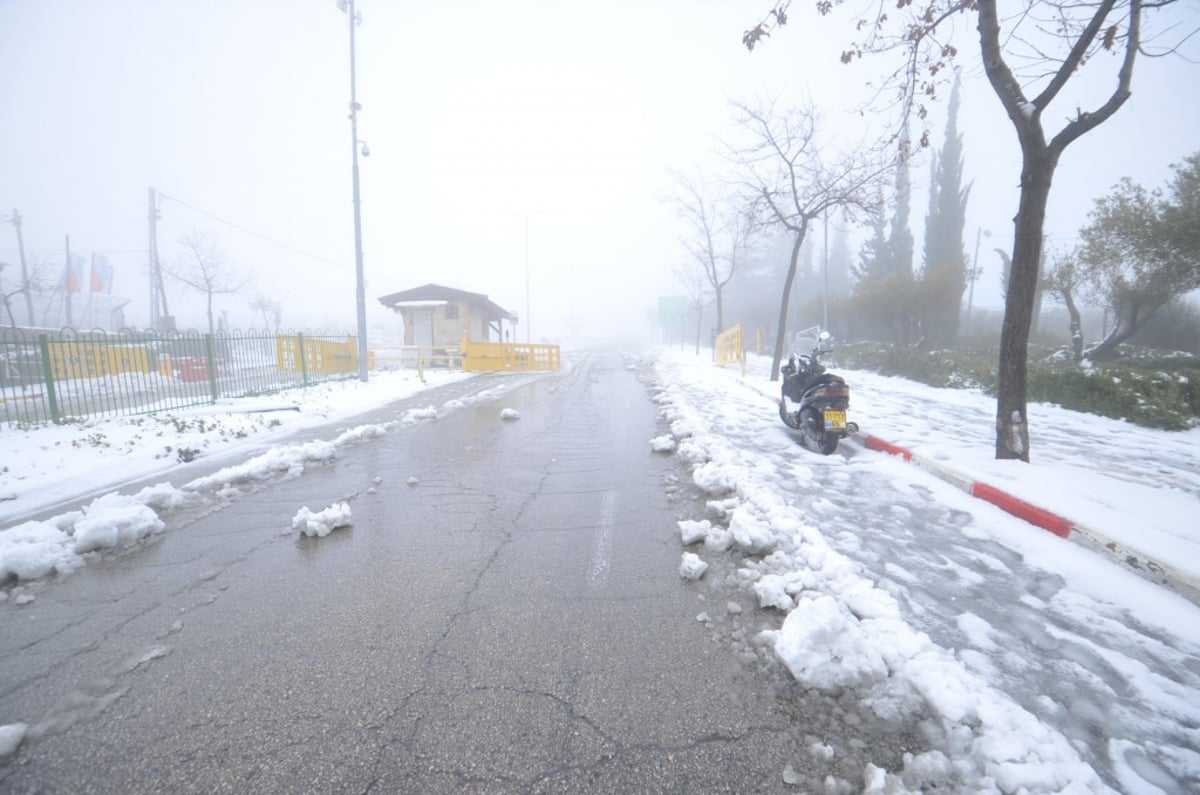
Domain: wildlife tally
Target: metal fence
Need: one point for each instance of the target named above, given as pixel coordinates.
(69, 375)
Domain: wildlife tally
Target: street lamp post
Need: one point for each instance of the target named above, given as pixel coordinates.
(528, 325)
(979, 233)
(360, 292)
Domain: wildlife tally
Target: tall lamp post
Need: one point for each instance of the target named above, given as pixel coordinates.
(355, 18)
(979, 233)
(528, 325)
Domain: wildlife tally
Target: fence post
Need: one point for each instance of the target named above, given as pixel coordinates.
(212, 366)
(48, 372)
(303, 359)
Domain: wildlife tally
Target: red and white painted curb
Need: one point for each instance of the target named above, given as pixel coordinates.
(1156, 572)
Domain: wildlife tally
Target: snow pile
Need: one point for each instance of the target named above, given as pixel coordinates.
(417, 415)
(692, 567)
(114, 520)
(690, 532)
(290, 459)
(36, 549)
(324, 522)
(663, 444)
(510, 414)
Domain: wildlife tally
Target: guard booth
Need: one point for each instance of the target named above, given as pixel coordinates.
(436, 318)
(448, 327)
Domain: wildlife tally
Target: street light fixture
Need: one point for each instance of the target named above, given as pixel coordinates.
(355, 19)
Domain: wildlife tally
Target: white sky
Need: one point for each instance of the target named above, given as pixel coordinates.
(477, 113)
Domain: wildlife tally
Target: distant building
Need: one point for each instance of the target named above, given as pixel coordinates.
(437, 317)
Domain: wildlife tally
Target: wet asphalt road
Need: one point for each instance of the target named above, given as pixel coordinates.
(512, 622)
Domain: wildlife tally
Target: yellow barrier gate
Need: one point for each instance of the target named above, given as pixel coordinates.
(300, 353)
(729, 348)
(498, 356)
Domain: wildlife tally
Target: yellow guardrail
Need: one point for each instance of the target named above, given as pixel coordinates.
(297, 352)
(729, 348)
(495, 356)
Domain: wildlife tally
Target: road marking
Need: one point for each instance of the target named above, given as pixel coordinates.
(602, 546)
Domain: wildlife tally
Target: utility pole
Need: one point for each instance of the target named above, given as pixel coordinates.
(360, 291)
(528, 319)
(979, 233)
(152, 266)
(825, 269)
(70, 299)
(16, 222)
(160, 313)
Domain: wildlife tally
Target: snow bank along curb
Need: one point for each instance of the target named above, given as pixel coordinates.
(1154, 571)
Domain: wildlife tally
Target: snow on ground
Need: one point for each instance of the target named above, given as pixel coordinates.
(1030, 664)
(48, 465)
(1045, 667)
(40, 467)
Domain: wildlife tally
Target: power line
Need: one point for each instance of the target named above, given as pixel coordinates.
(251, 232)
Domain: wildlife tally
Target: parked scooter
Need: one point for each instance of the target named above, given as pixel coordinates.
(814, 401)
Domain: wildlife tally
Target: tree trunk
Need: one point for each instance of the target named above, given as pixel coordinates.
(210, 317)
(720, 310)
(1126, 325)
(1012, 419)
(781, 333)
(1076, 325)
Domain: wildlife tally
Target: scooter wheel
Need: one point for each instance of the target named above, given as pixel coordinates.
(789, 418)
(827, 443)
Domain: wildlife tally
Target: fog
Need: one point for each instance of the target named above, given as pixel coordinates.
(484, 119)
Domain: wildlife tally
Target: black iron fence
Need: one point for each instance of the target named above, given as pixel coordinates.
(69, 375)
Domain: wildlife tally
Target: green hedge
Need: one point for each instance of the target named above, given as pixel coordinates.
(1141, 387)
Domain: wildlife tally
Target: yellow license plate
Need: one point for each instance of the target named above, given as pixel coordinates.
(835, 420)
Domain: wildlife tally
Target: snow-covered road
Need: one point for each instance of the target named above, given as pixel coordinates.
(1034, 663)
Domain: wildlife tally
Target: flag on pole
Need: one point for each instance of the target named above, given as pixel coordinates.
(73, 275)
(102, 274)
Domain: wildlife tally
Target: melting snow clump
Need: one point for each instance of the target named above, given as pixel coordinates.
(663, 444)
(510, 414)
(11, 737)
(692, 567)
(690, 532)
(323, 523)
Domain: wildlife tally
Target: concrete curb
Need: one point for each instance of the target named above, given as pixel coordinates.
(1140, 564)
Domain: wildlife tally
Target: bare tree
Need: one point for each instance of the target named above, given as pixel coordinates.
(1028, 57)
(270, 310)
(792, 177)
(202, 267)
(719, 234)
(36, 280)
(698, 293)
